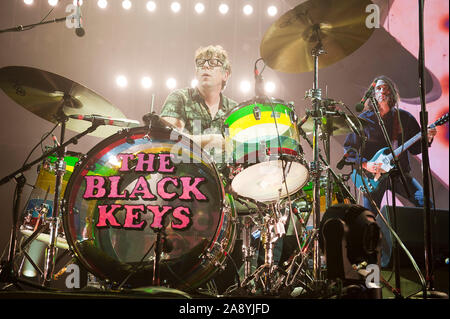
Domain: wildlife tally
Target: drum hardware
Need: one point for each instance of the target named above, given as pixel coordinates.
(272, 228)
(8, 268)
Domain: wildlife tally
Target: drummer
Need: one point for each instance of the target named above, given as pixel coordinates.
(200, 112)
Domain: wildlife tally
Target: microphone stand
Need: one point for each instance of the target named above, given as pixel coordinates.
(429, 268)
(20, 28)
(393, 174)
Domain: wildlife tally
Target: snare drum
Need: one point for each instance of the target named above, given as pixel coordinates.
(263, 146)
(136, 184)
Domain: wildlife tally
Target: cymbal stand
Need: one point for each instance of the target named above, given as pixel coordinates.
(315, 167)
(50, 254)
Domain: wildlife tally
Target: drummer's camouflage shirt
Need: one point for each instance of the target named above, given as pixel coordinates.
(190, 107)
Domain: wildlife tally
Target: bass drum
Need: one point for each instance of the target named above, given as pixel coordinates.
(135, 184)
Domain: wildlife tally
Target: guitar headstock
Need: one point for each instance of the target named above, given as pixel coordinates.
(442, 120)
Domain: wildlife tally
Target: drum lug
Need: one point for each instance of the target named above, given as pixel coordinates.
(226, 130)
(257, 113)
(293, 117)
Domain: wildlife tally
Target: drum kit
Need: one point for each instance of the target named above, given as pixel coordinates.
(148, 207)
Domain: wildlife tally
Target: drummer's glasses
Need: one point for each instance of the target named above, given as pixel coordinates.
(211, 62)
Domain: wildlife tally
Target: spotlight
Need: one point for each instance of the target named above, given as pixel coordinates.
(194, 83)
(272, 11)
(248, 9)
(175, 6)
(199, 8)
(224, 8)
(151, 6)
(245, 86)
(350, 239)
(146, 82)
(126, 4)
(53, 2)
(269, 87)
(171, 83)
(28, 2)
(121, 81)
(102, 4)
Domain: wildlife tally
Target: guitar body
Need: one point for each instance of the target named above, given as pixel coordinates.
(370, 180)
(385, 159)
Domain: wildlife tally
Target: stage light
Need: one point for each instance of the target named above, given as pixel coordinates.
(245, 86)
(102, 4)
(248, 9)
(121, 81)
(146, 82)
(53, 2)
(151, 6)
(272, 11)
(175, 6)
(28, 2)
(224, 8)
(269, 87)
(194, 83)
(126, 4)
(171, 83)
(200, 8)
(75, 2)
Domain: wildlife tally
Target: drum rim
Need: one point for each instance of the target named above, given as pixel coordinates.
(73, 247)
(258, 100)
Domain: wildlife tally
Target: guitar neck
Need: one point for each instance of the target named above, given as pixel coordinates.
(408, 144)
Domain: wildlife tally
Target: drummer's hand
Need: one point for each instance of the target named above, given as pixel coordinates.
(431, 133)
(215, 141)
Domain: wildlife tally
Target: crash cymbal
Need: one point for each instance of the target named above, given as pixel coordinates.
(43, 93)
(339, 25)
(338, 124)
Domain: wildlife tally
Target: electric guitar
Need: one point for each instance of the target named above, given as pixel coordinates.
(384, 157)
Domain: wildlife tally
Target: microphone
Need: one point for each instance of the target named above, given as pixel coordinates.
(360, 106)
(79, 21)
(102, 120)
(343, 162)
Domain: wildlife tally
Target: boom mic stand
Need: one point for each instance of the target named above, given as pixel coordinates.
(397, 171)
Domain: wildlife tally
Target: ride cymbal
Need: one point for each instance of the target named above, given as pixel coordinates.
(46, 94)
(340, 26)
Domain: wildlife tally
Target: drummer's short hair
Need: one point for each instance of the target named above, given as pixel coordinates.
(218, 52)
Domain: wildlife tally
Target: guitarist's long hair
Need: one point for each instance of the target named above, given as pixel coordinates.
(394, 98)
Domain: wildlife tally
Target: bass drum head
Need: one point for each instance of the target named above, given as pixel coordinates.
(136, 184)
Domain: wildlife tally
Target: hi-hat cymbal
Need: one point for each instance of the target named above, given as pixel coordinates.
(43, 93)
(338, 124)
(339, 25)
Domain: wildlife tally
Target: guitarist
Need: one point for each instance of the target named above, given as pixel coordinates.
(400, 126)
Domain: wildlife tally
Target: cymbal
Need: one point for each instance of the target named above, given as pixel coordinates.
(339, 25)
(338, 124)
(43, 93)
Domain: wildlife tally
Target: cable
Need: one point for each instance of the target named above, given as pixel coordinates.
(39, 143)
(32, 27)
